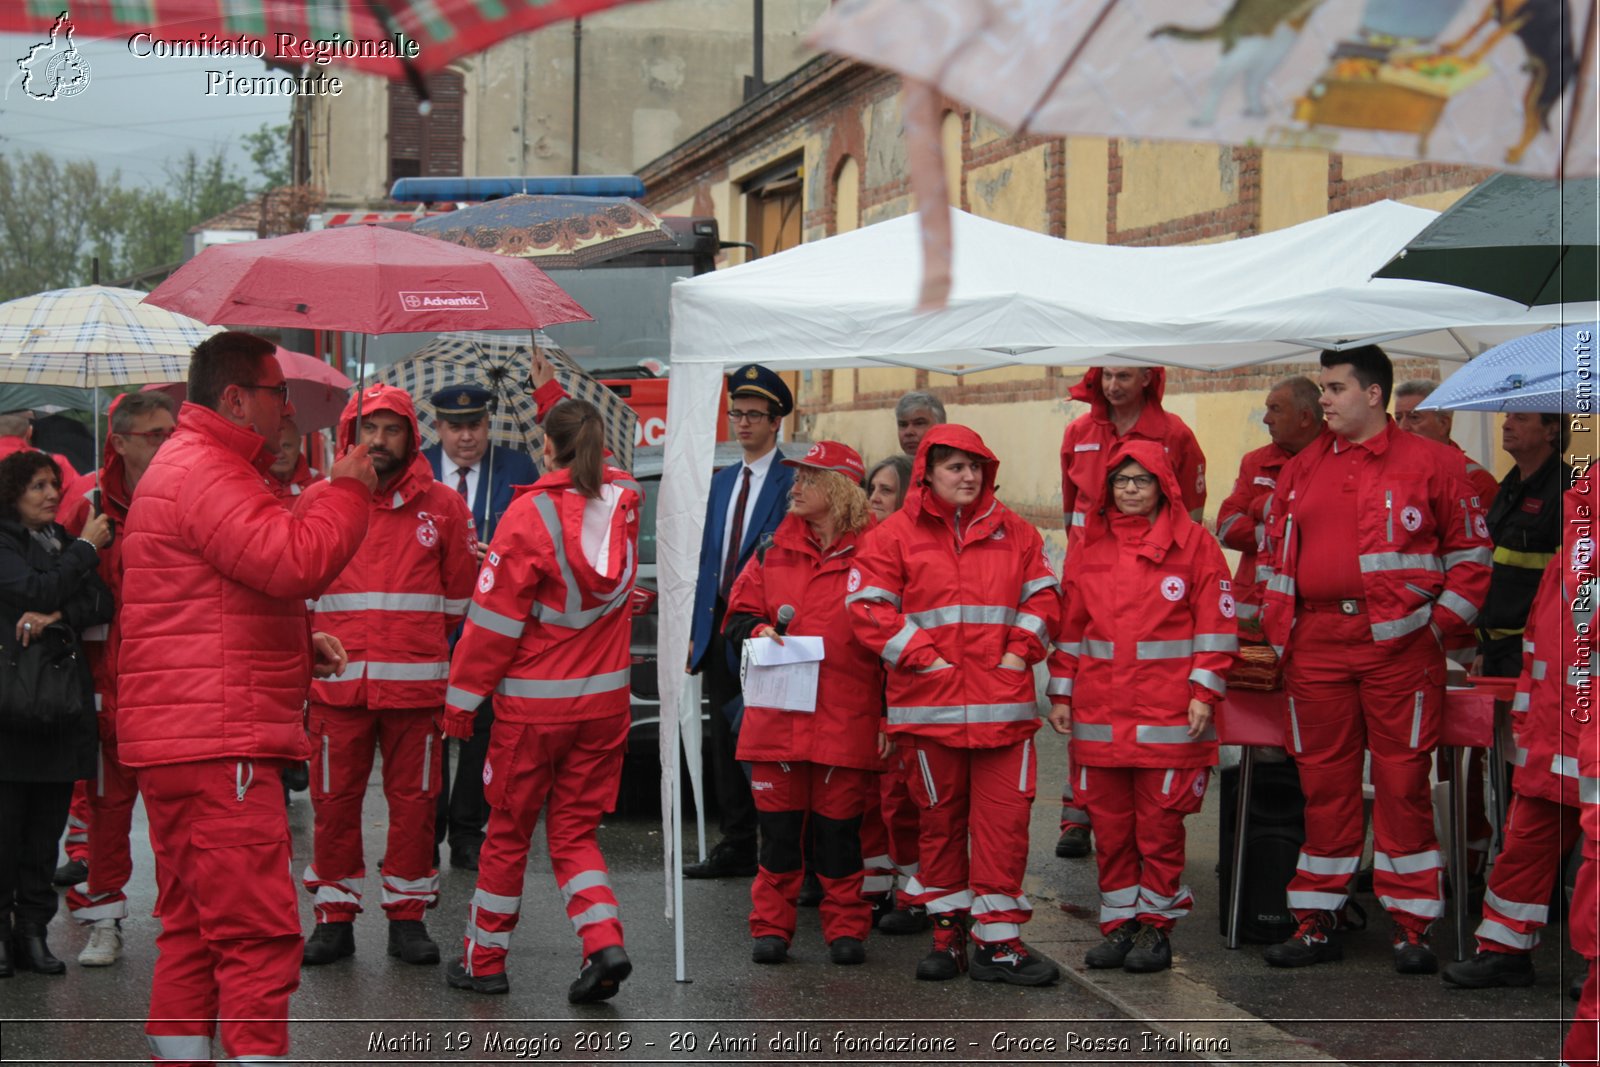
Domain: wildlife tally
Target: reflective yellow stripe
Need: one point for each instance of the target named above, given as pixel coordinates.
(1534, 561)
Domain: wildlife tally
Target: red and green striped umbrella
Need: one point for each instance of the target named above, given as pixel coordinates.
(442, 31)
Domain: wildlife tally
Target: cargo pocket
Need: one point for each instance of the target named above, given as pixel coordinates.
(1183, 789)
(243, 887)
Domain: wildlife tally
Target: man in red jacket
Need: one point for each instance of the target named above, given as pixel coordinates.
(1381, 560)
(16, 435)
(1293, 420)
(216, 658)
(1436, 426)
(1124, 404)
(393, 609)
(291, 474)
(140, 424)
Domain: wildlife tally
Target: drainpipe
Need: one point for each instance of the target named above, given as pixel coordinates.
(577, 86)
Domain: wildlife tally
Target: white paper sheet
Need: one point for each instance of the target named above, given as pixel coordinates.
(781, 676)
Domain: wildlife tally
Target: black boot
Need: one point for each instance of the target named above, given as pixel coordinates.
(30, 952)
(409, 940)
(329, 942)
(729, 859)
(601, 977)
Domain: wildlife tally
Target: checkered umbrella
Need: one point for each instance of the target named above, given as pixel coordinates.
(94, 336)
(504, 364)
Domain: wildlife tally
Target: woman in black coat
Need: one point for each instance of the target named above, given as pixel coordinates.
(46, 576)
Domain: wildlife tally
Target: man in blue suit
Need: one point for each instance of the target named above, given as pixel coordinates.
(484, 474)
(748, 500)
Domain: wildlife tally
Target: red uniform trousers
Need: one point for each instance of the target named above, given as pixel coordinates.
(792, 800)
(889, 830)
(110, 795)
(1347, 694)
(342, 742)
(77, 842)
(1074, 812)
(1138, 816)
(1582, 1046)
(1516, 906)
(987, 794)
(572, 770)
(230, 945)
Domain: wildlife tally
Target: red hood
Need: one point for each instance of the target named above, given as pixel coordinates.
(1172, 525)
(1088, 391)
(920, 499)
(417, 475)
(115, 496)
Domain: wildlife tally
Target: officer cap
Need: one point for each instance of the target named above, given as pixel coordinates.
(461, 403)
(753, 379)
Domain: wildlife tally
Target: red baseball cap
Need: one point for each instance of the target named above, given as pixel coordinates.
(831, 456)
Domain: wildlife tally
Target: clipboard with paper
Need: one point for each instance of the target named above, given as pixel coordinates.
(781, 676)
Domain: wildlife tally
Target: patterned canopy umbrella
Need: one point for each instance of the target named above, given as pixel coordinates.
(94, 336)
(551, 231)
(504, 364)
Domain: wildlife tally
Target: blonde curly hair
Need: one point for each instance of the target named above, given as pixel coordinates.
(847, 501)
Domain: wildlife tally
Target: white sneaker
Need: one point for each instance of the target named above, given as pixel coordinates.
(105, 944)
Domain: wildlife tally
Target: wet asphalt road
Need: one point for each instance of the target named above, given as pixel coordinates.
(1215, 1004)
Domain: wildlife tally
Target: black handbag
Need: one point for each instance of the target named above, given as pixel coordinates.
(46, 687)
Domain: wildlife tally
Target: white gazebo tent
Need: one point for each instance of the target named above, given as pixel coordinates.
(1021, 297)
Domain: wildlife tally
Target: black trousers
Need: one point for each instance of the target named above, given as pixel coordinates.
(736, 809)
(32, 817)
(463, 812)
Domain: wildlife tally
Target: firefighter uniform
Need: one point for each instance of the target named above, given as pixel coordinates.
(1380, 560)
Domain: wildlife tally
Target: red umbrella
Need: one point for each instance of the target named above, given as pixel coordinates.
(317, 390)
(367, 280)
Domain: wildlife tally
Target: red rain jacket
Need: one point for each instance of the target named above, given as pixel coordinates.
(1241, 526)
(1148, 624)
(547, 633)
(1090, 438)
(843, 731)
(1556, 685)
(215, 659)
(966, 587)
(100, 643)
(1422, 542)
(396, 604)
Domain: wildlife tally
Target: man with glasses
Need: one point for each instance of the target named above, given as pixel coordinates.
(748, 501)
(140, 425)
(215, 662)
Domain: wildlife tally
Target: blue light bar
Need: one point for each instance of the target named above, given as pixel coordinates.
(438, 190)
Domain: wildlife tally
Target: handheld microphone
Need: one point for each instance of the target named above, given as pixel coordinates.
(785, 617)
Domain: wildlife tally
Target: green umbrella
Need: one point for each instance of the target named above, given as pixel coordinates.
(1526, 239)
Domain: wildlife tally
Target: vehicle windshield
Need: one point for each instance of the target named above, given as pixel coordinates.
(629, 305)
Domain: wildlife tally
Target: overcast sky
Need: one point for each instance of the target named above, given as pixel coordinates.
(136, 114)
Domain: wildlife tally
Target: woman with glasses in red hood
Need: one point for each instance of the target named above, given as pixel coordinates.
(1146, 640)
(955, 594)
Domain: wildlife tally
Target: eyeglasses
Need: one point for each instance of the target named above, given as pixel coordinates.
(748, 416)
(282, 389)
(156, 436)
(1134, 481)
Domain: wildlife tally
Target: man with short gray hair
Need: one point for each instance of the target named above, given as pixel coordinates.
(916, 414)
(1293, 420)
(16, 435)
(1436, 426)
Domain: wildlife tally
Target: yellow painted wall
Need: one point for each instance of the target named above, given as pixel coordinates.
(1087, 200)
(1294, 187)
(1012, 191)
(1162, 181)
